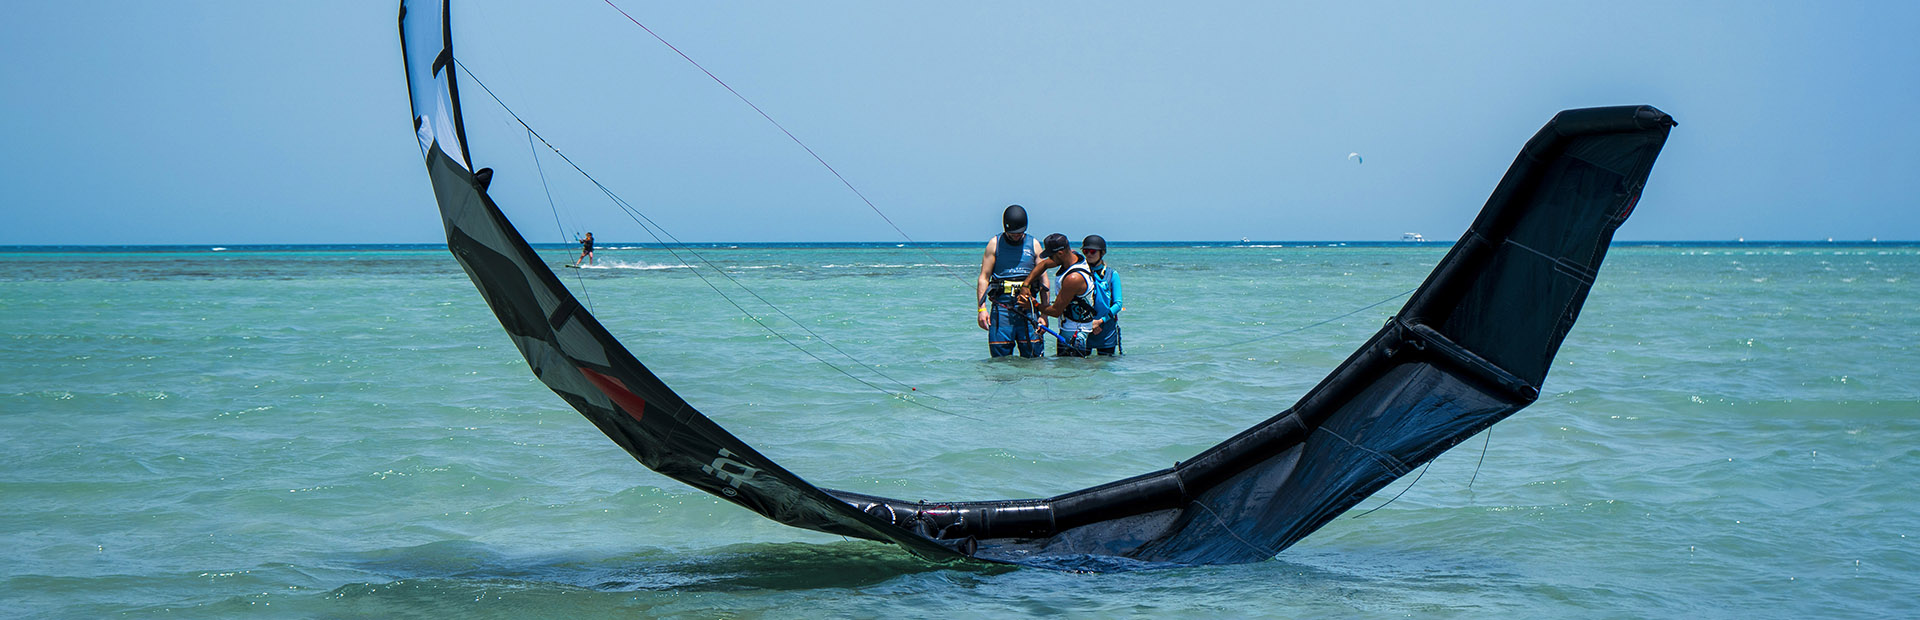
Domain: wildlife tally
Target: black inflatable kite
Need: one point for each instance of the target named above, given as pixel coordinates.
(1470, 348)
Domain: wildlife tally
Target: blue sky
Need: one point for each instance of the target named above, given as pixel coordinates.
(251, 122)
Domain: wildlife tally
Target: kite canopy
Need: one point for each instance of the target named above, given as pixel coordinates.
(1471, 347)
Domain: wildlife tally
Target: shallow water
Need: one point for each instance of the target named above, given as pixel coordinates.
(1730, 431)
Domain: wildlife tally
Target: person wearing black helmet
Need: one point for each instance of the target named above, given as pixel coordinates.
(1106, 296)
(1075, 305)
(1004, 271)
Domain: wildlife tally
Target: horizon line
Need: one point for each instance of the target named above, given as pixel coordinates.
(601, 245)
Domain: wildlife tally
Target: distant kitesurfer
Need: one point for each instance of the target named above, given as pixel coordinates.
(1106, 296)
(1004, 269)
(586, 250)
(1074, 306)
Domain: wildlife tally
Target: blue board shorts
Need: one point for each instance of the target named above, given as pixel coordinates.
(1011, 329)
(1107, 342)
(1078, 341)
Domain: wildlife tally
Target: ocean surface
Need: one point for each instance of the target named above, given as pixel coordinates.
(1731, 431)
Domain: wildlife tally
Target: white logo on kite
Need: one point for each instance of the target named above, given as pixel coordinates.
(730, 471)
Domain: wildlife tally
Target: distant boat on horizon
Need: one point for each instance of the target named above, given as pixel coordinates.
(1412, 236)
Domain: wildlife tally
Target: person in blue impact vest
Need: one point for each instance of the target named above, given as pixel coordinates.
(1004, 268)
(1075, 305)
(1106, 297)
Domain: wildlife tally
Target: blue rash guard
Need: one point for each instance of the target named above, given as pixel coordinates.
(1011, 327)
(1106, 304)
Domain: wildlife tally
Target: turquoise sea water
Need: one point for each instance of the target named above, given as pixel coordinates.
(1729, 432)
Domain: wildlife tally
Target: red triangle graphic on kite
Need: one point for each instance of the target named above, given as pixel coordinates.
(617, 391)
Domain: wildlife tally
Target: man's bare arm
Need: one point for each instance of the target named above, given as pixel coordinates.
(986, 270)
(1071, 286)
